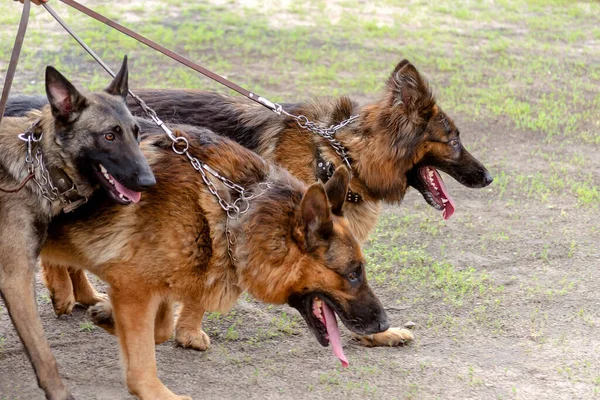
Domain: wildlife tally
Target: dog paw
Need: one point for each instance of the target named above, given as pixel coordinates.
(197, 340)
(101, 315)
(390, 338)
(63, 306)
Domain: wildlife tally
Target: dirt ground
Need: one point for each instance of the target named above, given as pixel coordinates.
(504, 296)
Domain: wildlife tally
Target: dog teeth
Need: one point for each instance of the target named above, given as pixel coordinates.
(103, 170)
(318, 309)
(111, 181)
(121, 197)
(444, 201)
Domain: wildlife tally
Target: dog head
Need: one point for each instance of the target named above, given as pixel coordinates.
(98, 137)
(333, 268)
(422, 139)
(320, 270)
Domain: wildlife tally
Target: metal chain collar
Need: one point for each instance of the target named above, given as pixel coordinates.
(180, 146)
(326, 133)
(240, 205)
(235, 209)
(44, 182)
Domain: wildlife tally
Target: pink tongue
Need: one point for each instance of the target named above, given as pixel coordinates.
(449, 206)
(334, 333)
(130, 194)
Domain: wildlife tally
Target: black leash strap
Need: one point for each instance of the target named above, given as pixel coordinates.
(14, 58)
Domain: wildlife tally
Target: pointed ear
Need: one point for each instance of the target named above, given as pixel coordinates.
(409, 89)
(337, 189)
(65, 100)
(316, 215)
(119, 86)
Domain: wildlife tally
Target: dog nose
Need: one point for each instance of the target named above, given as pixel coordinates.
(384, 326)
(488, 178)
(146, 180)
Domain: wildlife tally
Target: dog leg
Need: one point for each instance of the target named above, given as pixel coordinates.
(188, 332)
(390, 338)
(85, 293)
(164, 323)
(18, 292)
(134, 319)
(57, 281)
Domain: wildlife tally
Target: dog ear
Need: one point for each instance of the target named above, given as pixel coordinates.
(337, 189)
(65, 100)
(316, 224)
(409, 89)
(119, 86)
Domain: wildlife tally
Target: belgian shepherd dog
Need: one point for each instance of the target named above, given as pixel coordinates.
(399, 141)
(78, 143)
(291, 246)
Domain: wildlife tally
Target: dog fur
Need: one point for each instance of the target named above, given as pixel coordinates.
(69, 142)
(393, 141)
(289, 247)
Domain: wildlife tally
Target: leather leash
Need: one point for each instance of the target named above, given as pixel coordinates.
(171, 54)
(21, 185)
(302, 121)
(14, 58)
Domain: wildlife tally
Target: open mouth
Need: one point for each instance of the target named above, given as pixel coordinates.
(326, 328)
(115, 189)
(435, 193)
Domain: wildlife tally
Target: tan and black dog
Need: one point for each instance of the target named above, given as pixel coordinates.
(290, 247)
(78, 143)
(399, 141)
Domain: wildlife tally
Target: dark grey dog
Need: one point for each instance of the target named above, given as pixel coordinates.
(51, 161)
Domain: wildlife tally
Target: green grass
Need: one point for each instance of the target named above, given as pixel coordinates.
(87, 327)
(352, 54)
(398, 266)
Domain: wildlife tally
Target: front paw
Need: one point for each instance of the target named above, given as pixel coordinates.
(195, 339)
(390, 338)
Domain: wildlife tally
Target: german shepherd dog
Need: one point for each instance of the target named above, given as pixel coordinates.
(291, 246)
(79, 140)
(398, 142)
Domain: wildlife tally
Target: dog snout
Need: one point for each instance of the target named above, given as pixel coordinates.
(384, 326)
(145, 181)
(487, 178)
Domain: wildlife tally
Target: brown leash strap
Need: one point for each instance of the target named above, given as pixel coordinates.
(302, 121)
(21, 185)
(171, 54)
(14, 58)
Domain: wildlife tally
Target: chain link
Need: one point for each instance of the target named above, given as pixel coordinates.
(44, 181)
(326, 133)
(233, 210)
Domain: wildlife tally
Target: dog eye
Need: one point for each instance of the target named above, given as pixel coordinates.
(353, 277)
(454, 143)
(109, 136)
